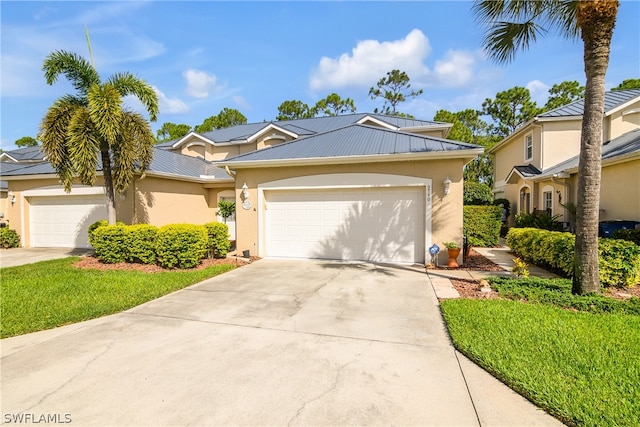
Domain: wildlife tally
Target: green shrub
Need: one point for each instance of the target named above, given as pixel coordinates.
(619, 260)
(630, 235)
(540, 220)
(476, 193)
(503, 202)
(524, 220)
(110, 243)
(99, 223)
(94, 226)
(181, 245)
(141, 243)
(9, 238)
(226, 209)
(218, 243)
(558, 292)
(481, 225)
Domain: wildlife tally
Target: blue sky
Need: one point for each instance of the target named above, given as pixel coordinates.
(203, 56)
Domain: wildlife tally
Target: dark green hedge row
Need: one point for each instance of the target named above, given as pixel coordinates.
(175, 245)
(481, 225)
(630, 235)
(619, 260)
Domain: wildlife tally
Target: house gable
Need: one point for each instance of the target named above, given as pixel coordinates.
(353, 144)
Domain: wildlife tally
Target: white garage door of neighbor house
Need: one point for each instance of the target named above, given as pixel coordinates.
(380, 225)
(63, 221)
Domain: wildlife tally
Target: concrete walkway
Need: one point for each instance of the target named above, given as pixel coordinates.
(276, 342)
(21, 256)
(441, 279)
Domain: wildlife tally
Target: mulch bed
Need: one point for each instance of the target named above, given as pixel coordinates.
(473, 289)
(474, 261)
(90, 262)
(468, 288)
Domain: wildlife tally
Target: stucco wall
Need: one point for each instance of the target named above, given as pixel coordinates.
(622, 121)
(620, 191)
(446, 210)
(512, 153)
(163, 201)
(561, 141)
(4, 203)
(157, 201)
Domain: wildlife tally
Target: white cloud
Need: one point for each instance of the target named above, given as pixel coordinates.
(165, 104)
(170, 105)
(539, 91)
(199, 83)
(370, 60)
(455, 70)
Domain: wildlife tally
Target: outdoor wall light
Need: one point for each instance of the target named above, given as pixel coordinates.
(447, 185)
(12, 197)
(245, 191)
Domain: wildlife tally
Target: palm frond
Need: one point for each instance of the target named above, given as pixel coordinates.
(133, 148)
(83, 146)
(513, 25)
(507, 38)
(76, 69)
(562, 17)
(53, 134)
(128, 84)
(105, 109)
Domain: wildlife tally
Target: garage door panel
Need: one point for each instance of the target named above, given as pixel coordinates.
(385, 225)
(63, 221)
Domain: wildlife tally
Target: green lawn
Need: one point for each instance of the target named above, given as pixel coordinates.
(581, 366)
(54, 293)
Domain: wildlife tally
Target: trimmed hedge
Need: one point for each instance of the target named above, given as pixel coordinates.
(482, 224)
(100, 223)
(476, 193)
(176, 245)
(619, 260)
(9, 238)
(218, 243)
(181, 245)
(140, 242)
(110, 243)
(630, 235)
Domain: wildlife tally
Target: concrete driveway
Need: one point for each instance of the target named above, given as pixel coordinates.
(276, 342)
(20, 256)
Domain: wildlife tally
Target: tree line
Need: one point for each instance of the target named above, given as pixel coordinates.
(508, 110)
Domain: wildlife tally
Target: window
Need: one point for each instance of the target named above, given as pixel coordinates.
(547, 201)
(525, 200)
(528, 147)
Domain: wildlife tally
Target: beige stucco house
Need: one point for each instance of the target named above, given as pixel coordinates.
(354, 187)
(536, 166)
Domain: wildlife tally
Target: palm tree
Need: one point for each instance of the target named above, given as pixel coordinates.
(513, 25)
(80, 128)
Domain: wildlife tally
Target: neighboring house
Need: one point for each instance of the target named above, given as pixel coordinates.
(23, 155)
(356, 187)
(536, 166)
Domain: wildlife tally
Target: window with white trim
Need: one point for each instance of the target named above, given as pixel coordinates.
(547, 201)
(528, 147)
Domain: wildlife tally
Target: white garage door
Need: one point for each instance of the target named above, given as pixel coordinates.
(381, 225)
(63, 221)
